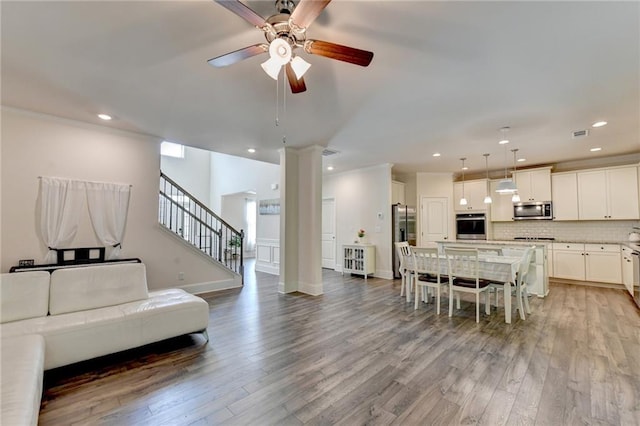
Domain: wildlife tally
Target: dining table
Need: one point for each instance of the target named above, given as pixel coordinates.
(495, 268)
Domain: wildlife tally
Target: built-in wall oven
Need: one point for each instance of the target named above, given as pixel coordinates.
(471, 226)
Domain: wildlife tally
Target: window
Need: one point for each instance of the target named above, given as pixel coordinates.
(170, 149)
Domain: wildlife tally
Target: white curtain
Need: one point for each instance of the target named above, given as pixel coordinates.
(61, 201)
(108, 206)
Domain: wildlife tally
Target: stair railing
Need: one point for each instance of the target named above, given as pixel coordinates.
(186, 216)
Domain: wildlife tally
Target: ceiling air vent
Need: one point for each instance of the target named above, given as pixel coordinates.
(580, 133)
(327, 152)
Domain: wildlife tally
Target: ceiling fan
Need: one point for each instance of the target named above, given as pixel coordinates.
(286, 31)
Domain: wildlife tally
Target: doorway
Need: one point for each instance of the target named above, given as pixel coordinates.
(329, 233)
(434, 219)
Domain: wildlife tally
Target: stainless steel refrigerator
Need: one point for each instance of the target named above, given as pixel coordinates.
(403, 219)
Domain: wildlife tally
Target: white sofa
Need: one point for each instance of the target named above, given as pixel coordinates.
(71, 315)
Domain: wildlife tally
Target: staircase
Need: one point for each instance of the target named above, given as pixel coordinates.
(185, 216)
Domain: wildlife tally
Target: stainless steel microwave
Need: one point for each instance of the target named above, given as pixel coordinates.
(533, 210)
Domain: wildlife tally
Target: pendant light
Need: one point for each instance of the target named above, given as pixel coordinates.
(463, 201)
(516, 197)
(487, 199)
(506, 185)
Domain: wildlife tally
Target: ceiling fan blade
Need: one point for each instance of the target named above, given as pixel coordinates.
(238, 55)
(297, 85)
(307, 11)
(243, 11)
(339, 52)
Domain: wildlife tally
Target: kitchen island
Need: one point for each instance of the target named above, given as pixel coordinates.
(538, 270)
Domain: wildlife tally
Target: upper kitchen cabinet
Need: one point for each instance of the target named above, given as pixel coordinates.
(534, 185)
(397, 192)
(501, 204)
(608, 194)
(564, 194)
(474, 192)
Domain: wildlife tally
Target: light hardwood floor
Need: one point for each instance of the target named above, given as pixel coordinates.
(360, 354)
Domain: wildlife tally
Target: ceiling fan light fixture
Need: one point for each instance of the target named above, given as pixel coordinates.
(280, 51)
(272, 68)
(300, 66)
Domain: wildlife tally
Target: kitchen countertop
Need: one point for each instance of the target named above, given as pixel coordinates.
(631, 245)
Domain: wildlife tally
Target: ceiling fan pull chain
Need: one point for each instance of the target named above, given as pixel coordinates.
(277, 102)
(284, 107)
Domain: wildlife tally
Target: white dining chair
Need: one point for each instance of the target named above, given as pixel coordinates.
(404, 255)
(520, 289)
(426, 275)
(464, 276)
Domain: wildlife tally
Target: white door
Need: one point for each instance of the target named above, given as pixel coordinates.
(434, 219)
(329, 233)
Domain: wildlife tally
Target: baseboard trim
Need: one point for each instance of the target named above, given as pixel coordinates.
(208, 287)
(310, 289)
(586, 283)
(267, 269)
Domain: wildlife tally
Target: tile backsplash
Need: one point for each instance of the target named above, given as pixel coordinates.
(587, 231)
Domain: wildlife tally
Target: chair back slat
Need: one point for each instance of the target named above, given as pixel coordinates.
(462, 263)
(426, 260)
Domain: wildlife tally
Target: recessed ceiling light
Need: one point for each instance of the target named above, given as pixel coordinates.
(436, 154)
(105, 117)
(521, 160)
(595, 149)
(599, 124)
(504, 142)
(329, 168)
(251, 150)
(465, 168)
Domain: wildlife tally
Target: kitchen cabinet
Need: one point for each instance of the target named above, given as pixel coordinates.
(568, 261)
(501, 205)
(564, 194)
(397, 193)
(359, 259)
(627, 269)
(602, 263)
(607, 194)
(474, 192)
(587, 262)
(534, 185)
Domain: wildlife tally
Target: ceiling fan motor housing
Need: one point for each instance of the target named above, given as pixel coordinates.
(285, 6)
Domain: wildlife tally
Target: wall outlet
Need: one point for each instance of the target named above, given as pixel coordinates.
(180, 276)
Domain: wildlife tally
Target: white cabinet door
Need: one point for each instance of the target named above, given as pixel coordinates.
(564, 194)
(501, 205)
(592, 195)
(534, 185)
(608, 194)
(623, 193)
(568, 261)
(603, 267)
(474, 192)
(627, 269)
(397, 193)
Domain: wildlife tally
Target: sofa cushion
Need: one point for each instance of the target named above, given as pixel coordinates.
(82, 335)
(79, 289)
(21, 379)
(24, 295)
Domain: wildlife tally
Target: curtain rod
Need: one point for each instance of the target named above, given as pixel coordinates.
(86, 181)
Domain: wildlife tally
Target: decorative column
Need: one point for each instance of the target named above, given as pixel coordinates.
(301, 220)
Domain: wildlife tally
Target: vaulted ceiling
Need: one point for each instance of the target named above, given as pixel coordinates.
(445, 77)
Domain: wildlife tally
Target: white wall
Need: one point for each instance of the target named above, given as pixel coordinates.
(191, 172)
(360, 195)
(232, 175)
(37, 145)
